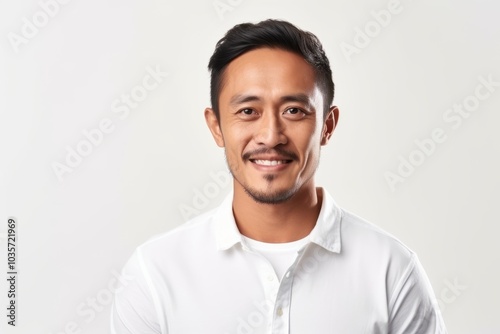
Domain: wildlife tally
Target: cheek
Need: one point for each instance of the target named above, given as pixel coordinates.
(234, 148)
(313, 154)
(309, 143)
(238, 138)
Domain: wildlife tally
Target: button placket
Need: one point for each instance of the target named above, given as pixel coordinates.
(281, 316)
(270, 284)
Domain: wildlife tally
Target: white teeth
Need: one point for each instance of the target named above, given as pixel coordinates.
(270, 162)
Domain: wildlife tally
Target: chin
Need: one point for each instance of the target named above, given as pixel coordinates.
(271, 197)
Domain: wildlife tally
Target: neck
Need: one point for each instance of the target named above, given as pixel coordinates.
(277, 223)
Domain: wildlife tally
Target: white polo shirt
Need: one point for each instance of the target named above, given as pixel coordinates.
(349, 277)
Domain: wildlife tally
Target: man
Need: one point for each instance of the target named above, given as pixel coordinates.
(278, 255)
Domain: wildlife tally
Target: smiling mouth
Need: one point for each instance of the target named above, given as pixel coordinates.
(270, 162)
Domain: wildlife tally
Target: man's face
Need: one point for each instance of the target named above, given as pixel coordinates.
(271, 123)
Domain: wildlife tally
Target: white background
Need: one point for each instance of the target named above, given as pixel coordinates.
(76, 233)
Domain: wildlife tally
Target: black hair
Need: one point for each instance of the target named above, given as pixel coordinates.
(273, 34)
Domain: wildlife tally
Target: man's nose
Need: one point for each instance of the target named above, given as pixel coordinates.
(270, 131)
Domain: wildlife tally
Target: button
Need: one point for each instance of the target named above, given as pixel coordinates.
(270, 277)
(279, 311)
(287, 274)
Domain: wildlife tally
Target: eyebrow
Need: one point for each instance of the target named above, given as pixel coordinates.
(241, 98)
(301, 98)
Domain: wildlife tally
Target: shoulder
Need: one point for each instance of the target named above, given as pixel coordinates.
(357, 232)
(357, 236)
(193, 233)
(375, 250)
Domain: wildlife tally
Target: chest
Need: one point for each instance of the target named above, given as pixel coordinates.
(318, 293)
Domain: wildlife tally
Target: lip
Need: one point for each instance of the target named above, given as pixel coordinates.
(270, 163)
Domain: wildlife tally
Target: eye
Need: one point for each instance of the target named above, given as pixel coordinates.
(295, 113)
(247, 113)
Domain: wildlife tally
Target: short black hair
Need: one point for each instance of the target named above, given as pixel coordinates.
(270, 33)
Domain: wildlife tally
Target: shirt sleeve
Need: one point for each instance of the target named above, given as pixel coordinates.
(413, 307)
(133, 310)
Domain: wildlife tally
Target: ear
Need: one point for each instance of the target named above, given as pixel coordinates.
(214, 126)
(331, 119)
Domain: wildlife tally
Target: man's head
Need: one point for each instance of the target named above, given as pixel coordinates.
(271, 34)
(271, 95)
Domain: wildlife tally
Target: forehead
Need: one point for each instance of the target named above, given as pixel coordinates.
(268, 72)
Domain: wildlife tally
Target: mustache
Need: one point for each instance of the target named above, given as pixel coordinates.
(277, 150)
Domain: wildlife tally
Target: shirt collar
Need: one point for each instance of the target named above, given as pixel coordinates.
(326, 232)
(226, 231)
